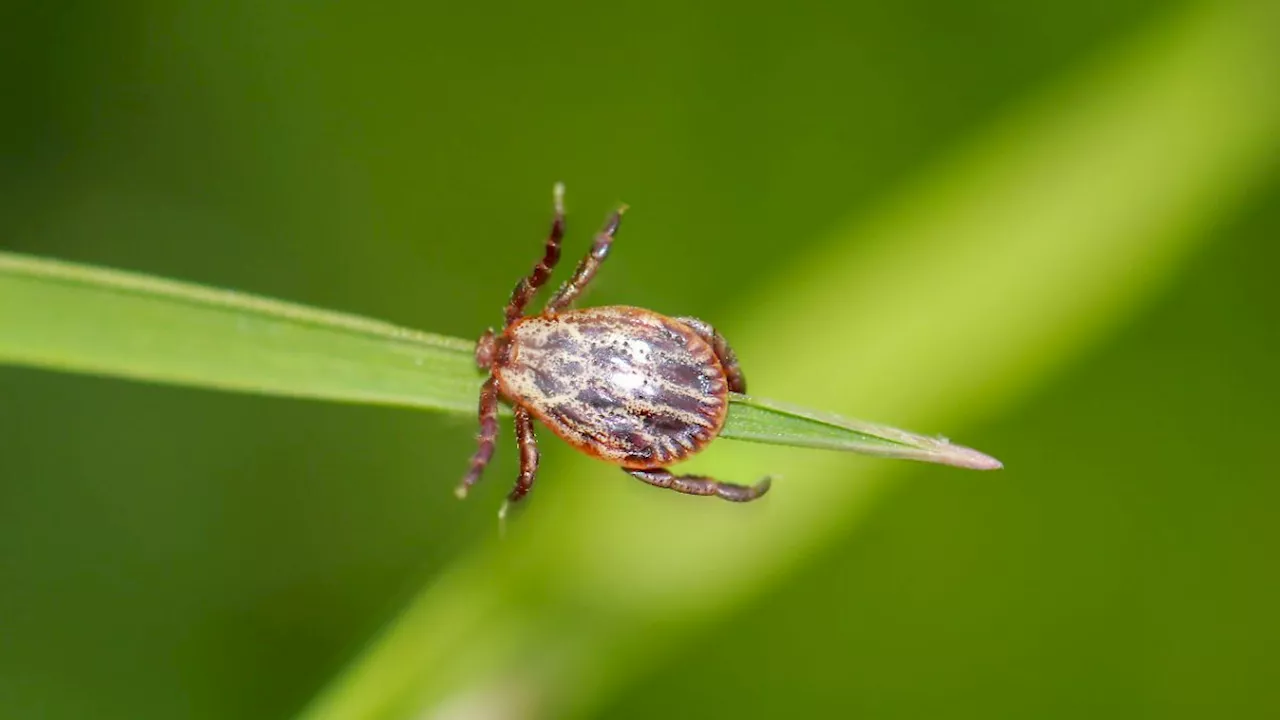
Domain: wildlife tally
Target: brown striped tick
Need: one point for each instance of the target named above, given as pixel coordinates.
(626, 385)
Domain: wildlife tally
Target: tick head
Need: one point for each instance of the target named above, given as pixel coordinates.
(485, 348)
(493, 350)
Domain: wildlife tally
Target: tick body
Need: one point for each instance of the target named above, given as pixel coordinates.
(623, 384)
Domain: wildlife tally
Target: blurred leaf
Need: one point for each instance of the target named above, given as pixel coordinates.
(63, 316)
(1012, 259)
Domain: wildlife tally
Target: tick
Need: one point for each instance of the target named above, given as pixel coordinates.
(626, 385)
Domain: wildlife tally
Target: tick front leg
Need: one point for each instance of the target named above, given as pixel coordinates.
(699, 485)
(728, 359)
(551, 255)
(488, 433)
(586, 269)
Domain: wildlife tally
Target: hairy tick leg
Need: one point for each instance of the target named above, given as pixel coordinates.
(586, 269)
(528, 443)
(488, 434)
(728, 358)
(700, 485)
(529, 285)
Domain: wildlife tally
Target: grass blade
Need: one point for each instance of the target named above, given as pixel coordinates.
(775, 423)
(63, 316)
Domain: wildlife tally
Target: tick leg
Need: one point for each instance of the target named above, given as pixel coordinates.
(728, 359)
(699, 485)
(488, 433)
(529, 285)
(586, 269)
(528, 443)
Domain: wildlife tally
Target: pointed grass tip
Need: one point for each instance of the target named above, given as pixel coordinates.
(963, 457)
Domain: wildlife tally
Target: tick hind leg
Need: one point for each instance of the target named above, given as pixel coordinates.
(728, 359)
(586, 269)
(700, 485)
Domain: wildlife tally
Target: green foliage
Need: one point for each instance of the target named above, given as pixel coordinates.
(794, 179)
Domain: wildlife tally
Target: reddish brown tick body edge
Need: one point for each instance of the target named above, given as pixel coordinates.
(626, 385)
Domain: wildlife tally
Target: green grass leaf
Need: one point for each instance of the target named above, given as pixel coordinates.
(63, 316)
(775, 423)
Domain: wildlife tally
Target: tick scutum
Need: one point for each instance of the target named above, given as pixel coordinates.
(625, 384)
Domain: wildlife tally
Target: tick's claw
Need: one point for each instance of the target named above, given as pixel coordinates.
(460, 492)
(762, 487)
(557, 197)
(502, 518)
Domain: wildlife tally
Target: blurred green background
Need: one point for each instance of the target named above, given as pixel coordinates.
(180, 553)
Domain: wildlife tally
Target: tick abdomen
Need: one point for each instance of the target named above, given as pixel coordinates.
(625, 384)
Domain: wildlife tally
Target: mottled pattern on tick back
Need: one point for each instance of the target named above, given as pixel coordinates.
(628, 385)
